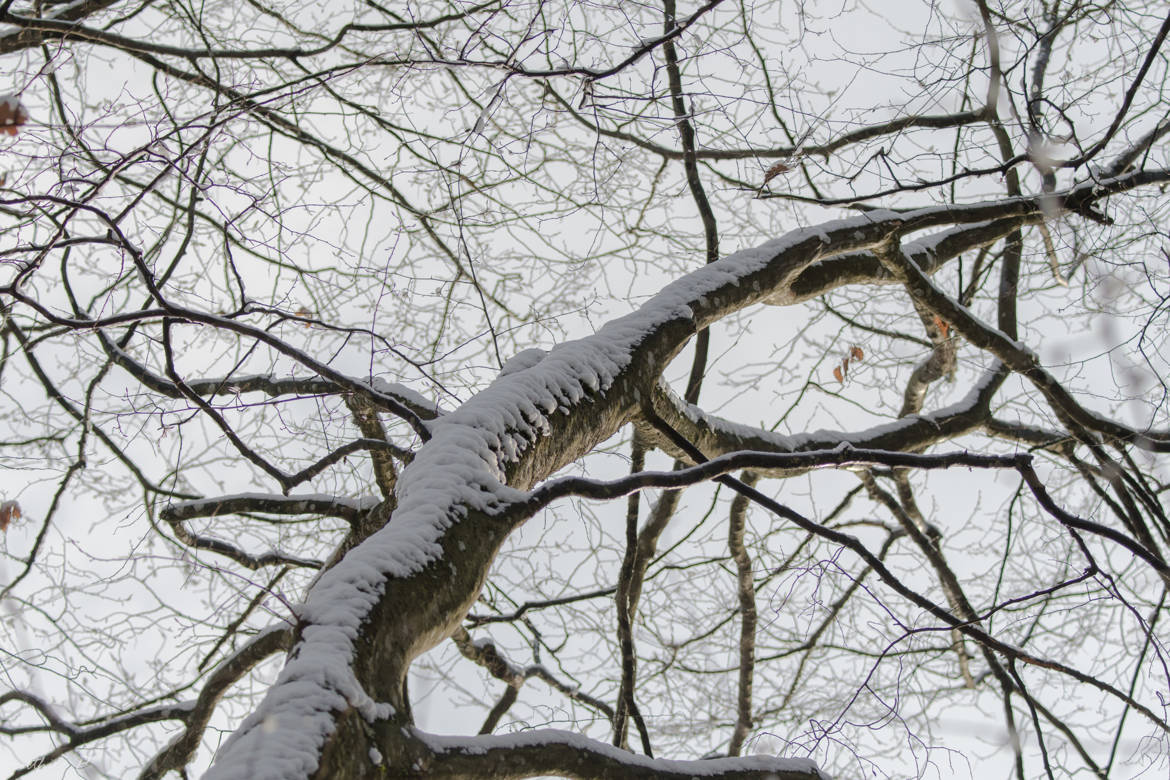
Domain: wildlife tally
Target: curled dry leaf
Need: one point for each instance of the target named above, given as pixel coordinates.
(776, 170)
(841, 371)
(13, 114)
(9, 511)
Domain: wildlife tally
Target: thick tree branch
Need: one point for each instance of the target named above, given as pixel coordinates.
(559, 753)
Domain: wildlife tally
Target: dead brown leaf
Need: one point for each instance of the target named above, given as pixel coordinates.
(13, 114)
(9, 511)
(776, 170)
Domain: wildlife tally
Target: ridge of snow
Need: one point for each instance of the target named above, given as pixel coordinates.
(479, 745)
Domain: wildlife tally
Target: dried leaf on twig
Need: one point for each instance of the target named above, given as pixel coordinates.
(776, 170)
(13, 114)
(9, 511)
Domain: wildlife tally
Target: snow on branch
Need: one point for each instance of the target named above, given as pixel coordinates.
(717, 436)
(928, 252)
(267, 503)
(260, 503)
(564, 754)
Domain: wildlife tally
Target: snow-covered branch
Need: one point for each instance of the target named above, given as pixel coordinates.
(563, 754)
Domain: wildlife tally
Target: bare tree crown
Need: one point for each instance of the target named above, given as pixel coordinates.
(506, 389)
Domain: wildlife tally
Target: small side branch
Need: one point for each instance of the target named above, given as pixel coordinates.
(487, 655)
(328, 506)
(627, 706)
(77, 735)
(182, 748)
(746, 591)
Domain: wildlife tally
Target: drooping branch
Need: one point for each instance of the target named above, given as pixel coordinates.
(715, 436)
(179, 314)
(844, 456)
